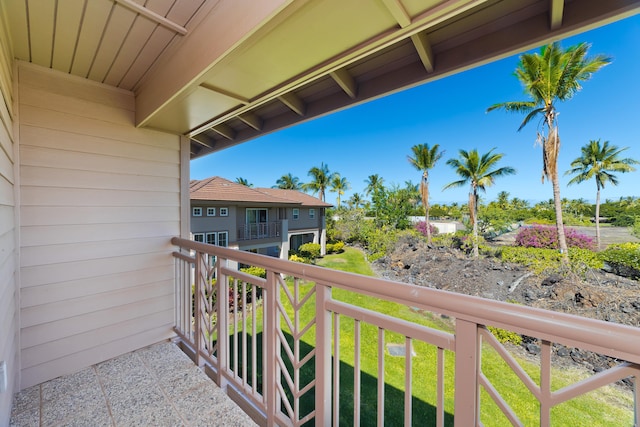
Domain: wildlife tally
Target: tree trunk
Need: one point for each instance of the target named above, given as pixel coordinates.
(473, 211)
(424, 192)
(562, 240)
(598, 217)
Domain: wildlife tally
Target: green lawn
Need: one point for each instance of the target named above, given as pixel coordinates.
(607, 406)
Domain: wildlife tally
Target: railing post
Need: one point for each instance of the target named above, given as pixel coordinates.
(467, 396)
(270, 337)
(323, 356)
(198, 303)
(222, 320)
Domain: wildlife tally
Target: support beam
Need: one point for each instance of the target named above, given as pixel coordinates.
(346, 82)
(225, 131)
(292, 101)
(204, 141)
(423, 47)
(556, 11)
(398, 12)
(240, 99)
(252, 120)
(150, 14)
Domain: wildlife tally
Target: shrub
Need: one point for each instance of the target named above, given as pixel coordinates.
(443, 240)
(547, 238)
(310, 250)
(255, 271)
(504, 336)
(335, 248)
(541, 260)
(421, 227)
(635, 229)
(296, 258)
(626, 255)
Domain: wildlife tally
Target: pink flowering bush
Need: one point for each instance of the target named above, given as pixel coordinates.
(421, 227)
(546, 237)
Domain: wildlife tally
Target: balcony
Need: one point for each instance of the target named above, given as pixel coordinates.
(277, 346)
(261, 230)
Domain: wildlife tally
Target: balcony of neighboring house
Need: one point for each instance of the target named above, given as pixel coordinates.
(259, 230)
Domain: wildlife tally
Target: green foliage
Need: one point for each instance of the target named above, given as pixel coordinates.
(335, 248)
(546, 261)
(504, 336)
(310, 250)
(635, 229)
(623, 254)
(255, 271)
(393, 206)
(296, 258)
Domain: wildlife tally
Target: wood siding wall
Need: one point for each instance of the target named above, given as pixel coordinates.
(100, 201)
(8, 253)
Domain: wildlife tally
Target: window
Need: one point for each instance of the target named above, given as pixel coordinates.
(223, 238)
(296, 213)
(312, 213)
(211, 211)
(198, 237)
(211, 238)
(224, 211)
(197, 211)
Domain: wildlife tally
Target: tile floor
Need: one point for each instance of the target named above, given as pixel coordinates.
(154, 386)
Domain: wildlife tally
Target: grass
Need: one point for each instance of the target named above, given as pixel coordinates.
(606, 406)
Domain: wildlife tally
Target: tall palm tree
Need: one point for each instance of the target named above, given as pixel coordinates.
(424, 159)
(551, 76)
(373, 182)
(599, 161)
(355, 201)
(321, 180)
(480, 172)
(339, 185)
(243, 181)
(288, 182)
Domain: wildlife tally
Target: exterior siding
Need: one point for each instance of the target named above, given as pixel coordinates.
(9, 340)
(304, 222)
(100, 200)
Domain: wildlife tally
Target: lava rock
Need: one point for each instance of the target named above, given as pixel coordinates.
(551, 280)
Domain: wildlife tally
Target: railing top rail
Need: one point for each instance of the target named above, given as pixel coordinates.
(612, 339)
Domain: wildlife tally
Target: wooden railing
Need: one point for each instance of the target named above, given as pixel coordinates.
(277, 344)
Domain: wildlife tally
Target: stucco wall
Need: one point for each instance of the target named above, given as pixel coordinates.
(100, 201)
(8, 233)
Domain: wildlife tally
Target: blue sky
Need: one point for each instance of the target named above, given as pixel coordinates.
(376, 137)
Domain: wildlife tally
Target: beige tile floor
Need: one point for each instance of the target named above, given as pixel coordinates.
(154, 386)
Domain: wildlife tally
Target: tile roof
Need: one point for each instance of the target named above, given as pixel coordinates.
(220, 189)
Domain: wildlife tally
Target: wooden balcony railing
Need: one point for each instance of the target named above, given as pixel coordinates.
(277, 344)
(261, 230)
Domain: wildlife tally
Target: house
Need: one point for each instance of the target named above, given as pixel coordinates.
(267, 221)
(105, 102)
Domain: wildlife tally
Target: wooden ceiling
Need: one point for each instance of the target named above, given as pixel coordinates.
(226, 71)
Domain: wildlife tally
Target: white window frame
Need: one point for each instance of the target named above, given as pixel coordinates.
(211, 211)
(295, 213)
(198, 237)
(196, 211)
(223, 212)
(312, 213)
(226, 238)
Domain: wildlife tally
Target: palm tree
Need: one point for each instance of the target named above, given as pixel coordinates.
(424, 159)
(339, 185)
(288, 182)
(478, 171)
(503, 200)
(551, 76)
(355, 201)
(373, 182)
(321, 180)
(243, 181)
(599, 161)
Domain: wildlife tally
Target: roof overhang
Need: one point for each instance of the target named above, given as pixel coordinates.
(227, 71)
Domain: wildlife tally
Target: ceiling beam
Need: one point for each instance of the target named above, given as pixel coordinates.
(252, 120)
(240, 99)
(346, 82)
(292, 101)
(204, 141)
(556, 11)
(398, 12)
(150, 14)
(423, 47)
(225, 130)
